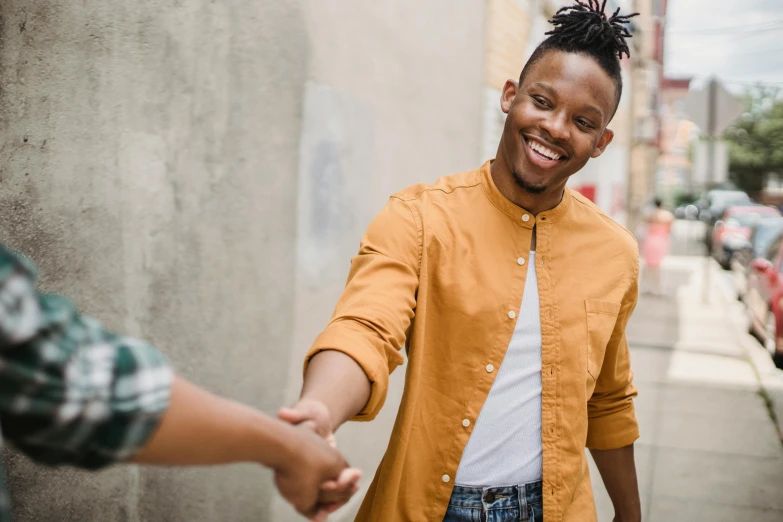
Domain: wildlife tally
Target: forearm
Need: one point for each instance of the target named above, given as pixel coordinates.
(339, 382)
(618, 471)
(200, 428)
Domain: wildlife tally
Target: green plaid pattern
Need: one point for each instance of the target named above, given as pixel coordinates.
(70, 391)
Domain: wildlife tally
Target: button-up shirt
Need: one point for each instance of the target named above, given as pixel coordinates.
(440, 273)
(71, 392)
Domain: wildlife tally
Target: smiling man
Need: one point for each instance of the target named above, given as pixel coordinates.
(511, 294)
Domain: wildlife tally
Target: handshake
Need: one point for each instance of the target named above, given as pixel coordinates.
(312, 475)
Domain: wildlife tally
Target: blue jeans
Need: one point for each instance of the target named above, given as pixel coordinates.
(523, 503)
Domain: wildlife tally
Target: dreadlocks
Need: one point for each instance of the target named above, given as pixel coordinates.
(586, 25)
(584, 28)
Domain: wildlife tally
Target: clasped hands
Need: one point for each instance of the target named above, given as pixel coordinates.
(321, 481)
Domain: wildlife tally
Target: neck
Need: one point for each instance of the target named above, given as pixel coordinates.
(533, 203)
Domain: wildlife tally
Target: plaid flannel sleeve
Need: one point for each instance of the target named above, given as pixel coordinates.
(72, 392)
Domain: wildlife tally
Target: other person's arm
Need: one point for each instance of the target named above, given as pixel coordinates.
(73, 393)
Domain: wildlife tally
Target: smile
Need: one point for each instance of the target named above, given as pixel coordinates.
(541, 155)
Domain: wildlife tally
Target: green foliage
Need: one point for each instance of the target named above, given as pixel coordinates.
(681, 197)
(756, 140)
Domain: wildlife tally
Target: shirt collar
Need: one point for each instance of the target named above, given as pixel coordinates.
(516, 212)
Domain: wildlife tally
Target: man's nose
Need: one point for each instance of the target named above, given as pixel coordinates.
(557, 127)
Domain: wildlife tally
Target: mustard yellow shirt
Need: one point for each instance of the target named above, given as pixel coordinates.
(440, 272)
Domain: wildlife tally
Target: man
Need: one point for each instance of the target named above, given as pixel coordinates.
(511, 295)
(74, 393)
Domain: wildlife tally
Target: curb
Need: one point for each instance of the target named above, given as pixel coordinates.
(769, 376)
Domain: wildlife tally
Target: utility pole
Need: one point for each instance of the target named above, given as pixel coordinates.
(631, 214)
(712, 114)
(632, 188)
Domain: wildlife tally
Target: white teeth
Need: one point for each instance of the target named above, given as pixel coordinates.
(543, 150)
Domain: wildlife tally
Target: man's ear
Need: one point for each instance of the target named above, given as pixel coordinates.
(507, 96)
(603, 142)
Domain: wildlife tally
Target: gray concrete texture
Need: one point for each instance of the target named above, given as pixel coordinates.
(199, 173)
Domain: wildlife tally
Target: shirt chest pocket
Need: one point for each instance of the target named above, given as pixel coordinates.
(601, 319)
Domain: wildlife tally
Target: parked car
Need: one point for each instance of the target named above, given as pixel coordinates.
(714, 204)
(764, 298)
(734, 229)
(763, 234)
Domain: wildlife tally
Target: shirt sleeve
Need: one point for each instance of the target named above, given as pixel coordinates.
(376, 309)
(611, 417)
(72, 392)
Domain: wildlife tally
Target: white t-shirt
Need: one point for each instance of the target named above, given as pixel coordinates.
(505, 446)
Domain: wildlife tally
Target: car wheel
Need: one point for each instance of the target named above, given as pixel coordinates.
(777, 357)
(724, 258)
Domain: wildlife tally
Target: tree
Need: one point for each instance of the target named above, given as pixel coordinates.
(756, 140)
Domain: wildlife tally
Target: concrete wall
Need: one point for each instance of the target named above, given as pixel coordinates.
(510, 41)
(199, 173)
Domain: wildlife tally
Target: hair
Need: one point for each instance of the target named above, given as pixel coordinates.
(658, 202)
(583, 28)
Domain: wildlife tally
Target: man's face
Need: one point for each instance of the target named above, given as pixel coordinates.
(556, 120)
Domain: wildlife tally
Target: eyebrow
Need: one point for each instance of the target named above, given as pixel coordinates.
(552, 92)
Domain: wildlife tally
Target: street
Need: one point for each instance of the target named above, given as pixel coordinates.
(709, 449)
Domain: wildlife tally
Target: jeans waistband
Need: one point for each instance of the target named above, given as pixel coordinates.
(501, 497)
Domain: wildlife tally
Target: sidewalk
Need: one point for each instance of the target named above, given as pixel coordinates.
(709, 450)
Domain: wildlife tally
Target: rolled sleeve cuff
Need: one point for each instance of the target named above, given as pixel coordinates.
(152, 402)
(142, 395)
(102, 423)
(613, 431)
(372, 360)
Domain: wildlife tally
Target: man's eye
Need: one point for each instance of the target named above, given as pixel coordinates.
(584, 123)
(540, 101)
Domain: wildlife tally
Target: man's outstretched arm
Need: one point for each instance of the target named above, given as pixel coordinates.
(347, 369)
(618, 471)
(335, 390)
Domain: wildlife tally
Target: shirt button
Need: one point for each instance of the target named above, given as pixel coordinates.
(512, 314)
(445, 478)
(466, 423)
(521, 261)
(490, 368)
(525, 218)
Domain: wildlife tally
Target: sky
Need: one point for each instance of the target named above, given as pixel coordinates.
(739, 41)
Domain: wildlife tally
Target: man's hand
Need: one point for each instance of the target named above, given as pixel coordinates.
(315, 416)
(315, 479)
(312, 414)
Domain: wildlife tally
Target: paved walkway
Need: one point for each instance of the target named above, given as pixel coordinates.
(709, 450)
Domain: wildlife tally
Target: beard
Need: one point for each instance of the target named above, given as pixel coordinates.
(525, 185)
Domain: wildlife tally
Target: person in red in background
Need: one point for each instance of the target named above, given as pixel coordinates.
(656, 245)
